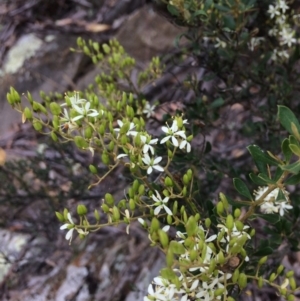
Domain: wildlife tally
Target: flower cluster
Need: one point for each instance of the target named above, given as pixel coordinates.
(271, 204)
(281, 30)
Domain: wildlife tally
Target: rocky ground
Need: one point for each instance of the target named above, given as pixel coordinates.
(37, 262)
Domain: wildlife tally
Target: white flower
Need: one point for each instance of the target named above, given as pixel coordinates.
(148, 145)
(121, 156)
(152, 163)
(148, 109)
(172, 132)
(268, 207)
(271, 196)
(234, 232)
(84, 111)
(160, 204)
(75, 100)
(273, 32)
(68, 122)
(282, 207)
(220, 43)
(273, 11)
(70, 226)
(287, 36)
(282, 5)
(185, 143)
(130, 130)
(255, 42)
(156, 294)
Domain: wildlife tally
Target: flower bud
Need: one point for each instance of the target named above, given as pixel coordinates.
(229, 222)
(290, 298)
(193, 255)
(109, 199)
(280, 269)
(224, 200)
(185, 180)
(131, 204)
(155, 225)
(54, 137)
(272, 277)
(55, 108)
(219, 292)
(59, 216)
(10, 99)
(292, 282)
(65, 214)
(93, 169)
(27, 113)
(184, 191)
(207, 222)
(116, 213)
(242, 281)
(177, 248)
(81, 209)
(105, 208)
(97, 216)
(197, 217)
(80, 142)
(220, 208)
(169, 219)
(102, 128)
(37, 125)
(163, 238)
(122, 204)
(289, 274)
(55, 122)
(88, 132)
(237, 213)
(175, 208)
(105, 158)
(235, 275)
(260, 282)
(220, 258)
(189, 174)
(263, 260)
(169, 258)
(191, 226)
(141, 189)
(168, 182)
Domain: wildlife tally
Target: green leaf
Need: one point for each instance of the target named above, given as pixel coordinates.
(271, 218)
(263, 252)
(242, 188)
(293, 180)
(286, 149)
(295, 149)
(260, 156)
(266, 178)
(217, 103)
(289, 121)
(173, 10)
(293, 168)
(279, 172)
(259, 181)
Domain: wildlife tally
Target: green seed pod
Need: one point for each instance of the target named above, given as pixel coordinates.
(137, 140)
(135, 186)
(197, 217)
(191, 226)
(177, 248)
(283, 291)
(263, 260)
(59, 216)
(272, 277)
(212, 265)
(237, 213)
(163, 238)
(30, 99)
(55, 108)
(96, 46)
(10, 99)
(207, 222)
(155, 225)
(169, 219)
(37, 125)
(27, 113)
(179, 122)
(141, 189)
(122, 204)
(131, 192)
(280, 269)
(169, 258)
(235, 275)
(111, 146)
(229, 222)
(109, 199)
(80, 42)
(105, 208)
(80, 142)
(189, 174)
(54, 137)
(242, 281)
(15, 95)
(252, 232)
(105, 158)
(93, 169)
(81, 209)
(224, 200)
(260, 282)
(106, 48)
(168, 182)
(293, 284)
(289, 274)
(116, 213)
(101, 129)
(124, 140)
(239, 225)
(184, 216)
(132, 204)
(184, 191)
(185, 179)
(175, 208)
(219, 292)
(220, 208)
(193, 255)
(230, 299)
(65, 214)
(220, 258)
(290, 298)
(170, 154)
(88, 132)
(96, 214)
